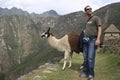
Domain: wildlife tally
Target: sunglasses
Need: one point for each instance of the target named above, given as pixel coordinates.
(88, 9)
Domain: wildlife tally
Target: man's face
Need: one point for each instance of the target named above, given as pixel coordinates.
(88, 10)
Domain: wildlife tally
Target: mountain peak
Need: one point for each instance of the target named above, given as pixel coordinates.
(50, 13)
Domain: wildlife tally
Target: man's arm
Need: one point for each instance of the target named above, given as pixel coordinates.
(99, 35)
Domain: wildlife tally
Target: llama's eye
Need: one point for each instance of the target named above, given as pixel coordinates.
(42, 34)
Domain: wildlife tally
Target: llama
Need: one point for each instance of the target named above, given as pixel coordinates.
(68, 44)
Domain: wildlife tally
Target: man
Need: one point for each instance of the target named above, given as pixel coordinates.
(91, 40)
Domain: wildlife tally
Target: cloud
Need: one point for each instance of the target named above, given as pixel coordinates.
(61, 6)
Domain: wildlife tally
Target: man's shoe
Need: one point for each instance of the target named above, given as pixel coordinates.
(83, 75)
(90, 77)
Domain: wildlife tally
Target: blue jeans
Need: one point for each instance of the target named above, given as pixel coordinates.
(89, 51)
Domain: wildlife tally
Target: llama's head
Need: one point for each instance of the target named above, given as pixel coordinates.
(46, 34)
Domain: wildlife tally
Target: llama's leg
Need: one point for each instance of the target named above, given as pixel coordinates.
(65, 59)
(70, 59)
(70, 63)
(81, 67)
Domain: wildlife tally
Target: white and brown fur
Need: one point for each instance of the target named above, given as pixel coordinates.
(68, 44)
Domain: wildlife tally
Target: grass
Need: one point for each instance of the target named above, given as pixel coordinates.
(107, 68)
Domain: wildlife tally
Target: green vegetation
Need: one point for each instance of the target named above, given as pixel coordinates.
(32, 61)
(24, 47)
(107, 68)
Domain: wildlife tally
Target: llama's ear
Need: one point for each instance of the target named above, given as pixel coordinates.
(48, 29)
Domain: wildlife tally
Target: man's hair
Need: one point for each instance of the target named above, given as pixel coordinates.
(86, 7)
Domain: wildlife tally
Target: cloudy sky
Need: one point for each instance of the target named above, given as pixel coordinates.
(61, 6)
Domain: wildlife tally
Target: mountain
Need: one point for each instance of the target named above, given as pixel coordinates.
(109, 14)
(21, 46)
(75, 22)
(50, 13)
(16, 11)
(13, 11)
(70, 23)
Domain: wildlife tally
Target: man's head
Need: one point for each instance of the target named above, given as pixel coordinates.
(88, 10)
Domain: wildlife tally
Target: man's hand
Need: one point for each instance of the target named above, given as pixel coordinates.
(97, 42)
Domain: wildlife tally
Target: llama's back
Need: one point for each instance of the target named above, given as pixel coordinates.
(73, 40)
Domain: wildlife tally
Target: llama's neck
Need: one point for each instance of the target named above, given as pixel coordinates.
(53, 41)
(60, 44)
